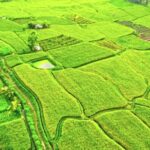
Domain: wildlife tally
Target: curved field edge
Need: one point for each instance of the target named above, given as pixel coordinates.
(64, 103)
(37, 108)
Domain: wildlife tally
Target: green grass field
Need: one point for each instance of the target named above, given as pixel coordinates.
(74, 75)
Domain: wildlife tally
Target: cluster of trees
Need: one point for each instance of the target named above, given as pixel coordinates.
(8, 90)
(32, 42)
(143, 2)
(9, 93)
(32, 39)
(18, 103)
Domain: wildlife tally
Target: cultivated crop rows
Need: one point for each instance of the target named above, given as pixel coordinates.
(97, 94)
(57, 42)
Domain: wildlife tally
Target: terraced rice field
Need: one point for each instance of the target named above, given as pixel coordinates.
(74, 75)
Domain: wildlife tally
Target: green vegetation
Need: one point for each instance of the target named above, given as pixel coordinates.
(7, 25)
(13, 60)
(122, 129)
(85, 134)
(56, 103)
(33, 56)
(4, 105)
(5, 49)
(143, 2)
(129, 82)
(143, 113)
(111, 30)
(143, 21)
(80, 54)
(74, 75)
(133, 42)
(32, 39)
(11, 38)
(90, 89)
(14, 133)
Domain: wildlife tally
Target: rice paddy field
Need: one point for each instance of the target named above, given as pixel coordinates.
(74, 75)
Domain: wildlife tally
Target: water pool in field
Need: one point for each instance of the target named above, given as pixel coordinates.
(43, 64)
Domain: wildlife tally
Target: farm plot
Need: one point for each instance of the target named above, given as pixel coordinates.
(80, 20)
(133, 42)
(57, 42)
(33, 56)
(109, 44)
(41, 34)
(75, 32)
(108, 12)
(94, 92)
(135, 10)
(84, 134)
(6, 116)
(4, 104)
(143, 21)
(110, 29)
(24, 20)
(12, 134)
(80, 54)
(10, 10)
(142, 31)
(8, 25)
(14, 41)
(143, 112)
(115, 69)
(55, 20)
(142, 102)
(126, 128)
(13, 60)
(56, 102)
(86, 86)
(139, 61)
(5, 49)
(79, 32)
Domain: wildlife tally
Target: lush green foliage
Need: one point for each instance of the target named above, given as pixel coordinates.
(5, 49)
(90, 89)
(133, 42)
(74, 75)
(11, 38)
(12, 134)
(124, 76)
(85, 134)
(4, 105)
(80, 54)
(56, 102)
(126, 128)
(7, 25)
